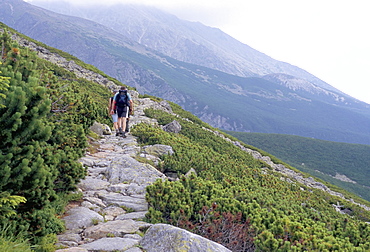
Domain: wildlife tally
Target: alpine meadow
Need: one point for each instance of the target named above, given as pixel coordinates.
(240, 192)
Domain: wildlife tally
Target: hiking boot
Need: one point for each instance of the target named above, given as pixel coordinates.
(117, 133)
(123, 135)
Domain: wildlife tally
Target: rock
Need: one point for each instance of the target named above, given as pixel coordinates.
(69, 239)
(125, 169)
(74, 249)
(134, 249)
(133, 236)
(152, 158)
(113, 211)
(94, 201)
(158, 150)
(101, 129)
(163, 237)
(135, 189)
(172, 127)
(166, 106)
(88, 161)
(133, 216)
(81, 217)
(172, 176)
(92, 184)
(136, 204)
(110, 244)
(190, 172)
(117, 228)
(91, 206)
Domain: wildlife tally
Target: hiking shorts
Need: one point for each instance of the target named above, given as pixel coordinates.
(122, 112)
(115, 117)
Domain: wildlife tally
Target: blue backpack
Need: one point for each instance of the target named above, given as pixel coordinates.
(122, 99)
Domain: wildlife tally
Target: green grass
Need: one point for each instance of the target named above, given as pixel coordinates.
(11, 243)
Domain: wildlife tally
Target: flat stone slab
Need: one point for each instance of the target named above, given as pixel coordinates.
(117, 228)
(74, 249)
(125, 169)
(92, 184)
(111, 198)
(111, 244)
(81, 217)
(133, 216)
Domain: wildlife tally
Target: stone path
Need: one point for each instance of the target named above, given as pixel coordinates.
(111, 213)
(113, 207)
(109, 218)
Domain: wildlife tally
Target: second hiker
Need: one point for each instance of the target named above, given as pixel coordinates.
(114, 114)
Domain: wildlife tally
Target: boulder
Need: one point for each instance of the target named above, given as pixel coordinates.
(132, 216)
(190, 172)
(158, 150)
(172, 127)
(163, 237)
(101, 129)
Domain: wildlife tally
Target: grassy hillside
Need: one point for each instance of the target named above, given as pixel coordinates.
(323, 159)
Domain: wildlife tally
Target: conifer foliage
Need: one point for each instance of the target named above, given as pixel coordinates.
(43, 121)
(238, 201)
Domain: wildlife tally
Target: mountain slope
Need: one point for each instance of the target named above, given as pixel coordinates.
(341, 164)
(230, 102)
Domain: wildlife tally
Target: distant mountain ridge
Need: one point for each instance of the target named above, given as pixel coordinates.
(273, 103)
(183, 40)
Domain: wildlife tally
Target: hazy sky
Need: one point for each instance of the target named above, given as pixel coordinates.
(328, 38)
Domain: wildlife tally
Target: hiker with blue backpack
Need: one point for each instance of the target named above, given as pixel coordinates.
(122, 102)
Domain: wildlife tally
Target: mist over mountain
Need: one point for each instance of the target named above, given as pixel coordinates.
(224, 82)
(183, 40)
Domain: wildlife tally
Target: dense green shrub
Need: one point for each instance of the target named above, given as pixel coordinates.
(45, 114)
(280, 216)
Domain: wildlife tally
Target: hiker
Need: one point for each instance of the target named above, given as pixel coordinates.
(114, 115)
(122, 102)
